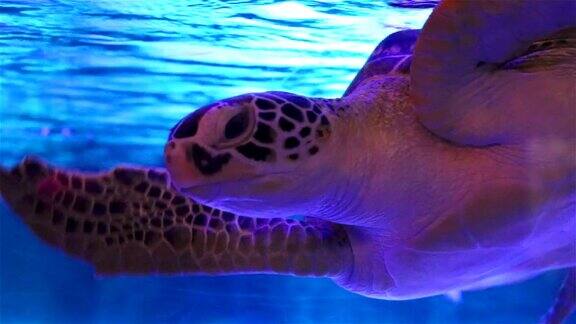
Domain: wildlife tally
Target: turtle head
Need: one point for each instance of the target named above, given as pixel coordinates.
(251, 153)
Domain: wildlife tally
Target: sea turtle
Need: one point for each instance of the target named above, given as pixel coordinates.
(450, 169)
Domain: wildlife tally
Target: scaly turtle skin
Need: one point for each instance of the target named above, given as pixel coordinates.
(406, 201)
(130, 220)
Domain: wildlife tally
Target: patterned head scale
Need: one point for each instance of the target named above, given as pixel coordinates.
(245, 137)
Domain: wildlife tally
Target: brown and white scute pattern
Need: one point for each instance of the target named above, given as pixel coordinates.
(282, 126)
(292, 124)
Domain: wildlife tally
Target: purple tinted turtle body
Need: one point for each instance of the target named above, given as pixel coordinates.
(447, 165)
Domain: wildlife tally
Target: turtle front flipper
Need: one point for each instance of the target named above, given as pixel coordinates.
(497, 72)
(129, 220)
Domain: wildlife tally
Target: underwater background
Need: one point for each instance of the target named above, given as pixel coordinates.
(91, 84)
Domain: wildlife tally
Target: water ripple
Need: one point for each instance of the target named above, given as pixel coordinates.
(137, 67)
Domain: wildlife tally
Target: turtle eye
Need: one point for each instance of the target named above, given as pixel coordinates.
(237, 128)
(237, 125)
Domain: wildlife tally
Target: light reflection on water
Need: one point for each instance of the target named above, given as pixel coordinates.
(91, 84)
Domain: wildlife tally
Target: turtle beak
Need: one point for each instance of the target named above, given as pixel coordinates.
(181, 173)
(187, 175)
(192, 165)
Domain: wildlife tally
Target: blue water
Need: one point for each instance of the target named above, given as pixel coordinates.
(91, 84)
